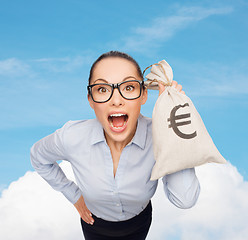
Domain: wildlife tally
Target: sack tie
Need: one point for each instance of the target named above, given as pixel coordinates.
(168, 84)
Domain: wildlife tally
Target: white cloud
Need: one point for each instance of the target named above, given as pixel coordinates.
(2, 187)
(30, 209)
(163, 28)
(220, 213)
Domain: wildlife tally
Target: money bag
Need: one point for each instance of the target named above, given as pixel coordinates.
(180, 138)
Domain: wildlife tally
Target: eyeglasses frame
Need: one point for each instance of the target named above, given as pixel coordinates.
(113, 86)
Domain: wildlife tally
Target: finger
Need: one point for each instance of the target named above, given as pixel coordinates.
(90, 218)
(87, 218)
(83, 211)
(88, 213)
(174, 83)
(161, 88)
(179, 87)
(85, 214)
(183, 92)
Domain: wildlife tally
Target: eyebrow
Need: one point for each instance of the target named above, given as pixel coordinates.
(101, 79)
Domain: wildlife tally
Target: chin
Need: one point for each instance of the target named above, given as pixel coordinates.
(124, 136)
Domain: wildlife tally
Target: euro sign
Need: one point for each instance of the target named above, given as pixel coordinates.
(174, 125)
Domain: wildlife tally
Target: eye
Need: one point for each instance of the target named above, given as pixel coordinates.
(102, 89)
(129, 88)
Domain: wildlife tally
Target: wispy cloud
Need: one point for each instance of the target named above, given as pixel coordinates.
(14, 67)
(214, 78)
(209, 79)
(42, 91)
(65, 64)
(161, 29)
(38, 212)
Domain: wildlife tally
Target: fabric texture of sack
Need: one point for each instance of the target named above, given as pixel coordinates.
(180, 138)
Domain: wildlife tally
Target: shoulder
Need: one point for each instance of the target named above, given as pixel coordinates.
(72, 126)
(74, 131)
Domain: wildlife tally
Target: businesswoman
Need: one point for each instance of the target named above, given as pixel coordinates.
(112, 156)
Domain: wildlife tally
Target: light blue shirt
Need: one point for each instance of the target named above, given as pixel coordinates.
(118, 198)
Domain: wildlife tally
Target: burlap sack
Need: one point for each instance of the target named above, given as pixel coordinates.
(180, 139)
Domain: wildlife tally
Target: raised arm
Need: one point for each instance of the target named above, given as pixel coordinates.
(182, 188)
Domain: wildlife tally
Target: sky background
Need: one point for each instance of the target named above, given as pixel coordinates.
(46, 50)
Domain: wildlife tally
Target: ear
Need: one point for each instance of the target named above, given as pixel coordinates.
(144, 96)
(91, 102)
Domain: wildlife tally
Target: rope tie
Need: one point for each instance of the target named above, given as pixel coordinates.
(158, 81)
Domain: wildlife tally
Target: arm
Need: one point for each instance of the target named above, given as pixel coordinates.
(182, 188)
(44, 155)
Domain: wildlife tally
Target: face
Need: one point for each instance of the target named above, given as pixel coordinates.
(118, 116)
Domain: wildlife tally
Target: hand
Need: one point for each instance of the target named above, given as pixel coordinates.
(83, 211)
(174, 84)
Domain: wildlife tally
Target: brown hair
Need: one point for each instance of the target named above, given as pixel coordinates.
(115, 54)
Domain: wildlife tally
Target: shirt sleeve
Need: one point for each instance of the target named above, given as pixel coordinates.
(182, 188)
(44, 155)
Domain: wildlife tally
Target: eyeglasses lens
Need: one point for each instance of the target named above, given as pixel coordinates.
(129, 90)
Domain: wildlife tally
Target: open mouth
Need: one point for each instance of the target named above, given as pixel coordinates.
(118, 120)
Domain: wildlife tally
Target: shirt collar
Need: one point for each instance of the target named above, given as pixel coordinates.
(97, 134)
(139, 138)
(140, 135)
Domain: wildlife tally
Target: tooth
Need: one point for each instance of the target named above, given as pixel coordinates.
(117, 115)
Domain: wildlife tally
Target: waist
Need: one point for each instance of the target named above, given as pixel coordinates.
(111, 228)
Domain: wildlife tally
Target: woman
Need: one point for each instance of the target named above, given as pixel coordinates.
(112, 156)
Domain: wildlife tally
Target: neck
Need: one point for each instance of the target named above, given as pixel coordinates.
(117, 145)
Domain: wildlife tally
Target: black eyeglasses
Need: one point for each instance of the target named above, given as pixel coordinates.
(102, 92)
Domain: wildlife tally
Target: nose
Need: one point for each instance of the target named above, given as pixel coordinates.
(116, 99)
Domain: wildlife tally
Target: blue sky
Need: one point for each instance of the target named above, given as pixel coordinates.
(47, 47)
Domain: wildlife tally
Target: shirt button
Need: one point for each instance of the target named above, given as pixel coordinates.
(117, 204)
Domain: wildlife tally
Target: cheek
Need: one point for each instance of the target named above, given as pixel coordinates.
(135, 108)
(99, 110)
